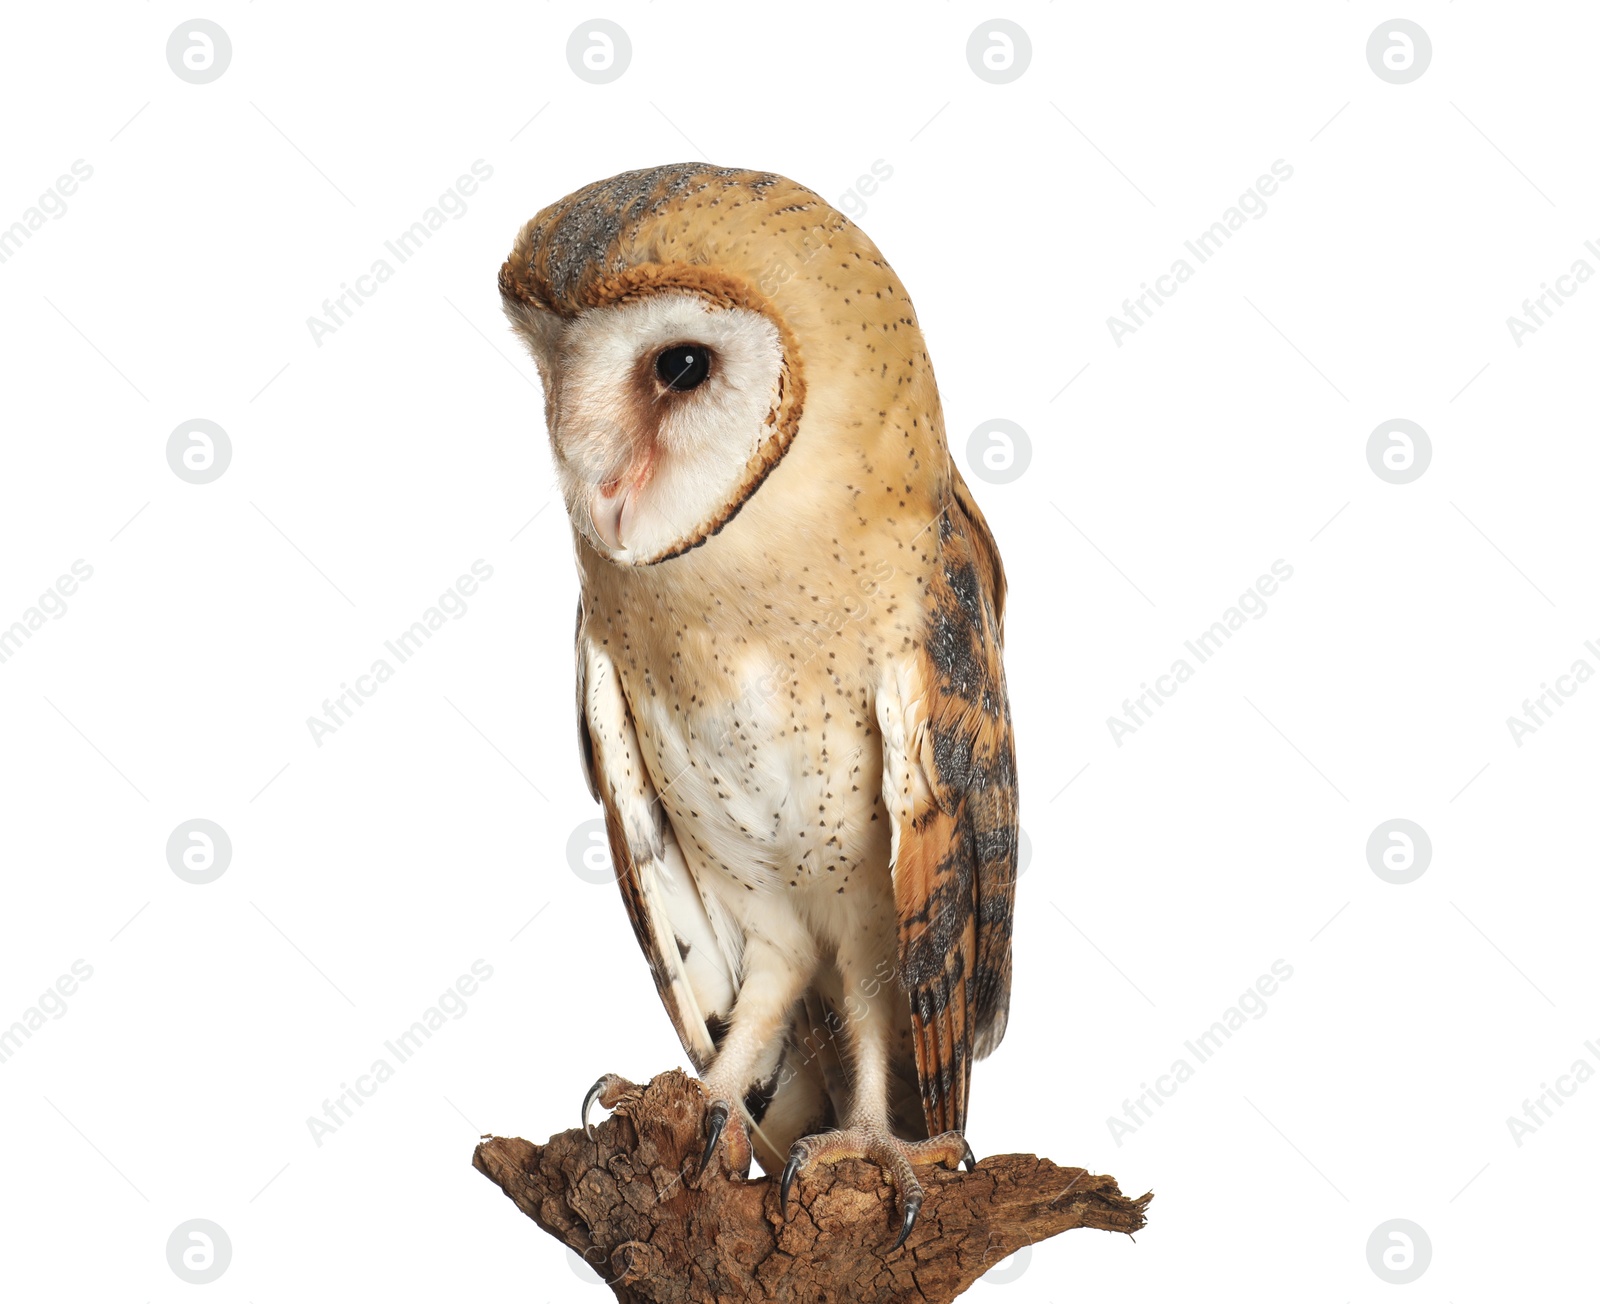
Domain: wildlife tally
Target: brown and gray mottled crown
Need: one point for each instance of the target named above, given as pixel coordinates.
(678, 213)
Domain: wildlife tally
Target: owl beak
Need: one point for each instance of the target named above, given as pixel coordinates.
(614, 507)
(606, 511)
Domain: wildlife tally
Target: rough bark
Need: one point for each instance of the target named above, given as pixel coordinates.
(630, 1203)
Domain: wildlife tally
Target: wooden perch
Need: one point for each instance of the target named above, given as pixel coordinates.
(629, 1203)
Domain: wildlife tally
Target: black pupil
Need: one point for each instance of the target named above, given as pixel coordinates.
(683, 366)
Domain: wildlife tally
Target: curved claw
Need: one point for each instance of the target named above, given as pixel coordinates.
(588, 1104)
(913, 1207)
(968, 1159)
(789, 1171)
(717, 1118)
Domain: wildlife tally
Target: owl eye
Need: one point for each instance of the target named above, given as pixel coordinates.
(683, 366)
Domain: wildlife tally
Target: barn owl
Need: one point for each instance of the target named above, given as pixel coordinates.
(790, 697)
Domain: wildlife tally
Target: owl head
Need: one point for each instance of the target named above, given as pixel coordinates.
(681, 318)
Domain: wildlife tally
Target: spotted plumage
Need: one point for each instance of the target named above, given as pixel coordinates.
(790, 693)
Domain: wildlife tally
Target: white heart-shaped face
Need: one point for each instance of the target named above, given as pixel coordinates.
(648, 467)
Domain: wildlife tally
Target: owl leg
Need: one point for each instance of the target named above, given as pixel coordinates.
(867, 1133)
(877, 1144)
(775, 977)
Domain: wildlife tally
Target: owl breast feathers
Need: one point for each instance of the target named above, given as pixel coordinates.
(790, 693)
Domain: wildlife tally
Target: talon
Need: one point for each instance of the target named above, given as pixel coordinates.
(789, 1170)
(588, 1104)
(609, 1090)
(913, 1207)
(717, 1118)
(968, 1159)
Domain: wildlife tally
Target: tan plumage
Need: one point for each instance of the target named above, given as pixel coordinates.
(790, 687)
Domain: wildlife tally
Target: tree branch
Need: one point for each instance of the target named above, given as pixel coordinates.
(630, 1204)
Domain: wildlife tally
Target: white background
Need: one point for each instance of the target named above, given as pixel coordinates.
(431, 830)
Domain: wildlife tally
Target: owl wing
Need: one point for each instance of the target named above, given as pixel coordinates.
(950, 782)
(694, 955)
(986, 553)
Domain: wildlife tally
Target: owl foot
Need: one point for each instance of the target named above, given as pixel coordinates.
(719, 1115)
(609, 1090)
(894, 1156)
